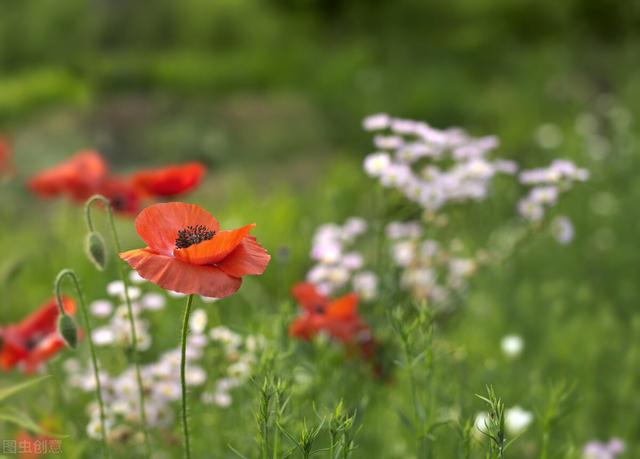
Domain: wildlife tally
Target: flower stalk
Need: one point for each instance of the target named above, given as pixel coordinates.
(93, 234)
(183, 380)
(57, 289)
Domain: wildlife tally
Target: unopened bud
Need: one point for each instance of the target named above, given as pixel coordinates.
(96, 250)
(67, 330)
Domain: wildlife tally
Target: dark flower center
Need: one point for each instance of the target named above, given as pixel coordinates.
(193, 235)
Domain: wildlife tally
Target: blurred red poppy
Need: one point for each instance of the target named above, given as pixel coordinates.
(188, 253)
(34, 340)
(6, 161)
(338, 318)
(171, 180)
(78, 177)
(123, 195)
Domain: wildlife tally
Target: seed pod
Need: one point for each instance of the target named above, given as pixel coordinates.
(96, 250)
(68, 330)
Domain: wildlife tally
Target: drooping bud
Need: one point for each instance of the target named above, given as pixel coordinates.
(96, 250)
(68, 330)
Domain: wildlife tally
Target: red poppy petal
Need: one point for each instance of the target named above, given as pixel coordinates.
(172, 274)
(44, 319)
(308, 296)
(344, 307)
(170, 180)
(214, 250)
(79, 176)
(158, 225)
(249, 258)
(44, 350)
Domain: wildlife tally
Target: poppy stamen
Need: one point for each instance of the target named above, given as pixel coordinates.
(193, 235)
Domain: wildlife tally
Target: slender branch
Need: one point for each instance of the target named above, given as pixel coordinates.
(132, 325)
(58, 283)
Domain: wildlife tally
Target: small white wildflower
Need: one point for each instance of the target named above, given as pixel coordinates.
(481, 423)
(376, 122)
(116, 289)
(198, 321)
(512, 345)
(222, 399)
(195, 375)
(153, 301)
(136, 278)
(517, 420)
(103, 336)
(562, 229)
(101, 308)
(376, 164)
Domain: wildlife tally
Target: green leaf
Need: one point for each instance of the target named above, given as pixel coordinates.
(7, 392)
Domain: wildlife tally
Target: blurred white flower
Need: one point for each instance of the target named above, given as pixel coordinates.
(222, 399)
(94, 428)
(365, 285)
(103, 336)
(116, 289)
(198, 321)
(597, 450)
(376, 122)
(517, 420)
(153, 301)
(136, 278)
(512, 345)
(101, 308)
(376, 164)
(195, 375)
(481, 423)
(206, 299)
(562, 229)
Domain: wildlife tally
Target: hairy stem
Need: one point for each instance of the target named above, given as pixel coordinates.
(87, 324)
(183, 382)
(123, 278)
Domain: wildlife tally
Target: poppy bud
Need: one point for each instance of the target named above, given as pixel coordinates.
(68, 330)
(95, 249)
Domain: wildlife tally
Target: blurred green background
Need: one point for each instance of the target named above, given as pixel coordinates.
(270, 95)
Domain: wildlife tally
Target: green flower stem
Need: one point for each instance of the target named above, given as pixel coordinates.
(123, 277)
(87, 324)
(183, 381)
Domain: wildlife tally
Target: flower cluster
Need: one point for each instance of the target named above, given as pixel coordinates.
(429, 166)
(238, 357)
(87, 173)
(547, 184)
(597, 450)
(337, 264)
(117, 330)
(427, 270)
(160, 379)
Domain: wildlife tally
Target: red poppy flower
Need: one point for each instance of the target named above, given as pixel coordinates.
(34, 339)
(123, 195)
(188, 253)
(171, 180)
(6, 163)
(79, 177)
(338, 318)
